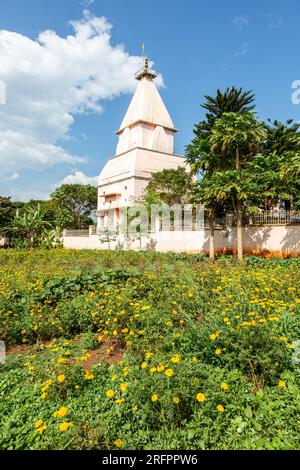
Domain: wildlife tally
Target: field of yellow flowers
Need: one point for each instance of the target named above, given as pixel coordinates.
(114, 350)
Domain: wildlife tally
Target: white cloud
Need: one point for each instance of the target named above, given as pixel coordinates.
(49, 81)
(243, 50)
(87, 3)
(241, 22)
(79, 178)
(14, 176)
(273, 21)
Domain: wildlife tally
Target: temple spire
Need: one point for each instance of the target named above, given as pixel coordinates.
(147, 123)
(145, 71)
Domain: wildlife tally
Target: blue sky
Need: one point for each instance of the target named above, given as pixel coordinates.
(197, 46)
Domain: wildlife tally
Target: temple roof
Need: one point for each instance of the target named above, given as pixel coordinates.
(146, 105)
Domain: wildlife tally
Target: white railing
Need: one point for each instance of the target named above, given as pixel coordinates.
(76, 233)
(275, 218)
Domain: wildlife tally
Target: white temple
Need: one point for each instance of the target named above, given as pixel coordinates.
(145, 146)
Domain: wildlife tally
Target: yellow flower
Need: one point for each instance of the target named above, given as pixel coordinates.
(149, 354)
(110, 393)
(118, 442)
(201, 397)
(135, 408)
(169, 372)
(39, 423)
(160, 368)
(44, 395)
(218, 351)
(213, 337)
(220, 408)
(41, 429)
(144, 365)
(123, 387)
(154, 397)
(176, 400)
(120, 401)
(282, 384)
(114, 378)
(175, 359)
(88, 375)
(152, 370)
(224, 386)
(65, 426)
(63, 411)
(60, 378)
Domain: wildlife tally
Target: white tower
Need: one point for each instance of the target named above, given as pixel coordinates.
(145, 146)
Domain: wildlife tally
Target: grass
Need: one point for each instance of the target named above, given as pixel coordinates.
(143, 350)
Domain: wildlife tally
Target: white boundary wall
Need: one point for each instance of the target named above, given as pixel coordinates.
(281, 240)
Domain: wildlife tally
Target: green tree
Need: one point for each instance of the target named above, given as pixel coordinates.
(237, 138)
(283, 143)
(7, 213)
(232, 100)
(79, 200)
(169, 186)
(198, 154)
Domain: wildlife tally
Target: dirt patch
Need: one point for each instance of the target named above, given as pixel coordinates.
(109, 351)
(14, 350)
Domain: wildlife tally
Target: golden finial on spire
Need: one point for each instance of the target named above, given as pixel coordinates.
(145, 70)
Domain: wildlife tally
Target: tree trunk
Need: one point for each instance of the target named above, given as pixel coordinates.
(239, 214)
(212, 237)
(239, 228)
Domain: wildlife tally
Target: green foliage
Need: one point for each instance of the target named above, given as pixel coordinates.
(56, 289)
(169, 187)
(29, 225)
(7, 213)
(148, 351)
(79, 201)
(232, 100)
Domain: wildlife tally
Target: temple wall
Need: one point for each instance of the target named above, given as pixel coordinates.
(267, 240)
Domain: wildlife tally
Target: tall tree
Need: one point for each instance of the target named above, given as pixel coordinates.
(283, 143)
(79, 200)
(232, 100)
(199, 154)
(238, 138)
